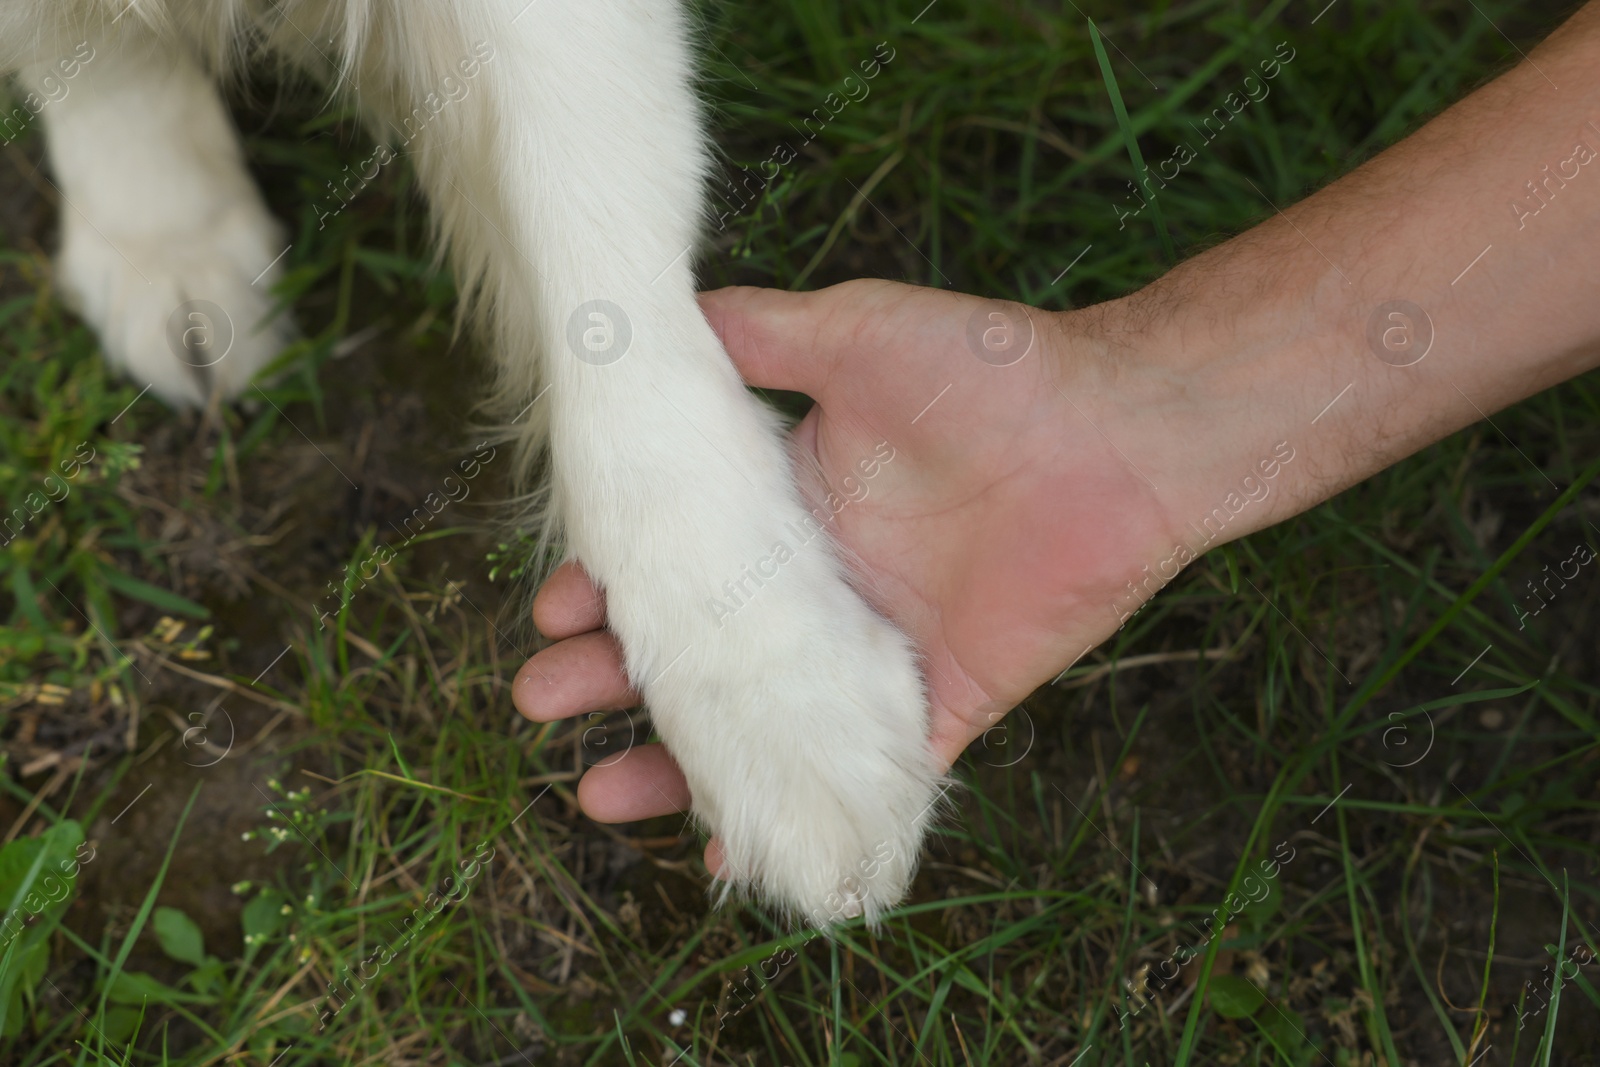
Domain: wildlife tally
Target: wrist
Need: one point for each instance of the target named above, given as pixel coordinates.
(1206, 407)
(1298, 333)
(1265, 381)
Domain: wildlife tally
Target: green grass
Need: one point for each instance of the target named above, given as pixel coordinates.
(1435, 829)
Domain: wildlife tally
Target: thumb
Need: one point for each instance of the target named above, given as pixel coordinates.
(773, 336)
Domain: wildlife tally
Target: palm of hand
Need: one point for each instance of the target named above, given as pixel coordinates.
(985, 509)
(1006, 526)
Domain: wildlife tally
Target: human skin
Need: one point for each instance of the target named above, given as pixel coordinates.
(1018, 508)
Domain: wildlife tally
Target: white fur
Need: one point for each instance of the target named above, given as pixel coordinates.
(158, 211)
(569, 171)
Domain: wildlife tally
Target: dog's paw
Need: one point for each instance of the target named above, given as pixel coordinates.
(188, 312)
(800, 723)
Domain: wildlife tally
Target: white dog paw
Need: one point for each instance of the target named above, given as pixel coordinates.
(188, 313)
(800, 723)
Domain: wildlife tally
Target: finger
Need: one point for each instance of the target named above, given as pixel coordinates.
(771, 335)
(568, 603)
(641, 783)
(571, 677)
(714, 858)
(950, 732)
(949, 739)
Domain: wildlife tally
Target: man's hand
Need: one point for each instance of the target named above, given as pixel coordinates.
(994, 512)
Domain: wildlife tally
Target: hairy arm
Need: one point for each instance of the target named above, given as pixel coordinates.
(1473, 246)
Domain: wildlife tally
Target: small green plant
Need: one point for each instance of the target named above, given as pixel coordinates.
(38, 877)
(69, 541)
(514, 560)
(133, 992)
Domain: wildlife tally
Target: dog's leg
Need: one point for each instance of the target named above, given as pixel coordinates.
(561, 146)
(166, 246)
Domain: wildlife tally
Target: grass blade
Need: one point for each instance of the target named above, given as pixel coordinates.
(144, 909)
(1547, 1045)
(1130, 141)
(1481, 1027)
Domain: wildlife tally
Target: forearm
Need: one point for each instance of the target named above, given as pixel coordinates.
(1264, 332)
